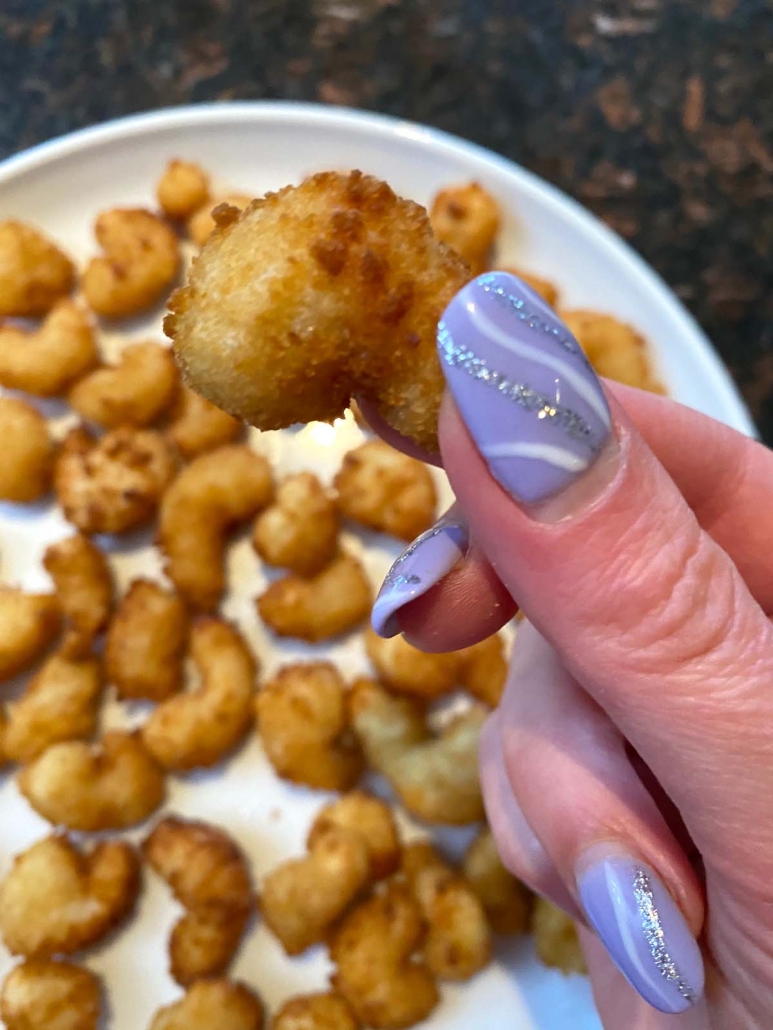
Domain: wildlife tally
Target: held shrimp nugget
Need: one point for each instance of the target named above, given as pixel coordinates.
(28, 452)
(47, 361)
(132, 393)
(34, 273)
(212, 1005)
(28, 624)
(84, 587)
(299, 531)
(315, 294)
(43, 994)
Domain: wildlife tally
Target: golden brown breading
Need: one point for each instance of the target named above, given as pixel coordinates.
(323, 291)
(28, 452)
(614, 349)
(555, 937)
(34, 272)
(198, 426)
(28, 624)
(508, 903)
(372, 818)
(299, 531)
(212, 1005)
(483, 669)
(134, 392)
(43, 994)
(405, 669)
(201, 224)
(467, 218)
(182, 189)
(84, 588)
(315, 1012)
(48, 360)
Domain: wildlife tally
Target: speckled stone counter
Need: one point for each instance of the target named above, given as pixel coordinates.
(656, 114)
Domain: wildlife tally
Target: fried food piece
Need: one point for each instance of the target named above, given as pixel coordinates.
(326, 605)
(84, 589)
(467, 218)
(435, 777)
(86, 895)
(105, 786)
(372, 818)
(42, 994)
(28, 624)
(201, 224)
(385, 490)
(544, 287)
(404, 668)
(483, 670)
(458, 943)
(48, 360)
(182, 189)
(207, 500)
(312, 295)
(615, 349)
(198, 426)
(135, 392)
(315, 1012)
(508, 903)
(375, 969)
(209, 876)
(300, 529)
(141, 258)
(113, 484)
(60, 703)
(34, 272)
(555, 938)
(302, 898)
(305, 729)
(200, 727)
(212, 1005)
(28, 452)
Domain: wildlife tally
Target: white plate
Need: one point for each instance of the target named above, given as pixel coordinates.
(252, 148)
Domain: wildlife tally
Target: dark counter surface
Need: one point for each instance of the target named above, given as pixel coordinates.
(655, 114)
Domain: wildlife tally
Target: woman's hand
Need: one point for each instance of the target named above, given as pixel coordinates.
(628, 773)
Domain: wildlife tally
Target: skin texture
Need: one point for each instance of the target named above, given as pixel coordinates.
(55, 995)
(34, 272)
(46, 361)
(84, 588)
(28, 452)
(28, 624)
(134, 392)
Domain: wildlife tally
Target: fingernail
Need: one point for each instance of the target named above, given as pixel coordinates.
(523, 386)
(643, 930)
(428, 559)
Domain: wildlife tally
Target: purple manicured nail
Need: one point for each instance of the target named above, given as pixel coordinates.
(430, 557)
(526, 391)
(643, 930)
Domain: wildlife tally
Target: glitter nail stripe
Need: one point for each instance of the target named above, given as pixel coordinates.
(653, 933)
(394, 577)
(534, 321)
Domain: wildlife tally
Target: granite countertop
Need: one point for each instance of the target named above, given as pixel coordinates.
(655, 114)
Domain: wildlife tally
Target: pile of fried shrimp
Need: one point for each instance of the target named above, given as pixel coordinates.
(141, 463)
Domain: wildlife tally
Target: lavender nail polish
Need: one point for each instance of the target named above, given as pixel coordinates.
(643, 930)
(526, 391)
(428, 559)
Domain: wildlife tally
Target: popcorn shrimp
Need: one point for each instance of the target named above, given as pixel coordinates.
(28, 452)
(467, 218)
(212, 1005)
(132, 393)
(182, 189)
(28, 624)
(48, 360)
(407, 670)
(198, 426)
(614, 349)
(507, 901)
(84, 588)
(555, 938)
(300, 529)
(315, 1012)
(372, 818)
(43, 994)
(34, 272)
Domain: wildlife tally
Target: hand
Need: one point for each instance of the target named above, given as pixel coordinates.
(628, 773)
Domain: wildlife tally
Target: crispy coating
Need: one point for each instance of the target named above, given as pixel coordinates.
(304, 725)
(372, 818)
(34, 272)
(42, 994)
(84, 588)
(467, 218)
(28, 624)
(312, 295)
(48, 360)
(198, 425)
(315, 1012)
(614, 349)
(141, 258)
(210, 878)
(404, 668)
(212, 1005)
(146, 642)
(28, 452)
(60, 703)
(208, 499)
(507, 901)
(299, 531)
(106, 786)
(458, 943)
(375, 969)
(86, 895)
(435, 777)
(385, 490)
(555, 938)
(182, 189)
(201, 224)
(337, 599)
(304, 897)
(483, 670)
(200, 727)
(135, 392)
(113, 484)
(544, 287)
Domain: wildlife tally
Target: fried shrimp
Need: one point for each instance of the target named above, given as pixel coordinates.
(200, 727)
(34, 272)
(315, 1012)
(383, 489)
(208, 875)
(146, 642)
(312, 295)
(113, 484)
(614, 349)
(201, 224)
(84, 588)
(132, 393)
(105, 786)
(483, 669)
(299, 531)
(407, 670)
(43, 994)
(371, 818)
(182, 189)
(48, 360)
(304, 726)
(198, 426)
(507, 901)
(212, 1005)
(555, 938)
(28, 624)
(28, 452)
(86, 895)
(206, 501)
(467, 218)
